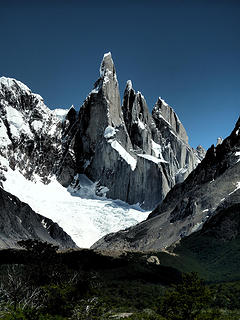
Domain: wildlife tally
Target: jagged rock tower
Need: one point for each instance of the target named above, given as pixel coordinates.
(136, 155)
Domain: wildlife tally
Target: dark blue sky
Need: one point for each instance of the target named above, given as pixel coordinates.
(187, 52)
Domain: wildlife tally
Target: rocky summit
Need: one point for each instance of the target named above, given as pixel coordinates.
(134, 155)
(208, 199)
(121, 149)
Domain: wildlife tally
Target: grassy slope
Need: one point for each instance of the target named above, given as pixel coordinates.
(214, 259)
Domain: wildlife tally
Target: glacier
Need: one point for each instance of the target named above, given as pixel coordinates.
(85, 219)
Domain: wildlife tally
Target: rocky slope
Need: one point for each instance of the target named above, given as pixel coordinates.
(19, 222)
(31, 135)
(209, 199)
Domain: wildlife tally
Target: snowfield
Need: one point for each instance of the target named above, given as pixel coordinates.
(86, 220)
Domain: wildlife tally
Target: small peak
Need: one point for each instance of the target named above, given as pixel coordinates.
(71, 114)
(162, 109)
(201, 152)
(108, 54)
(162, 106)
(139, 94)
(129, 85)
(162, 101)
(200, 148)
(107, 65)
(236, 130)
(10, 82)
(219, 141)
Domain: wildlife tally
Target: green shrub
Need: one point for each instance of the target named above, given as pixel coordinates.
(186, 300)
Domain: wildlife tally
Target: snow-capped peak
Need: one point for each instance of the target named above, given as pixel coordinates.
(162, 101)
(140, 95)
(166, 111)
(129, 85)
(10, 82)
(107, 54)
(219, 141)
(106, 65)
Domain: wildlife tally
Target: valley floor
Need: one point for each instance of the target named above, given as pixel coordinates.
(84, 285)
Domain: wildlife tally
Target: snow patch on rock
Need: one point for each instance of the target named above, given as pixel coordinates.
(141, 124)
(152, 158)
(124, 154)
(4, 140)
(60, 113)
(129, 85)
(237, 154)
(157, 149)
(37, 125)
(237, 187)
(197, 227)
(17, 123)
(163, 101)
(10, 82)
(110, 132)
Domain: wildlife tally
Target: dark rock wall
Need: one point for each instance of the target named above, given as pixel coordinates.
(19, 222)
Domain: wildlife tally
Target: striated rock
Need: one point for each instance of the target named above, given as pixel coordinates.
(176, 150)
(138, 120)
(162, 111)
(209, 198)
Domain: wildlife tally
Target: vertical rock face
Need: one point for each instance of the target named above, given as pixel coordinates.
(19, 222)
(108, 85)
(161, 135)
(162, 111)
(174, 140)
(101, 109)
(100, 129)
(137, 119)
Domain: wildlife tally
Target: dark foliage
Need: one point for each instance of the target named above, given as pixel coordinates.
(40, 283)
